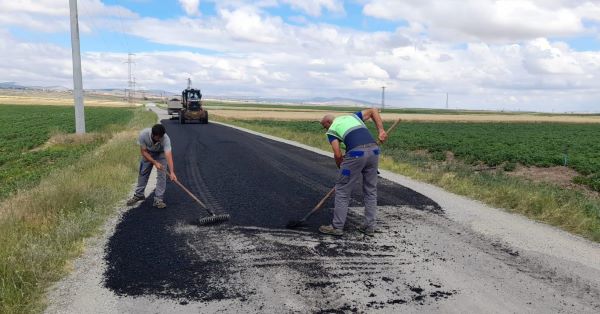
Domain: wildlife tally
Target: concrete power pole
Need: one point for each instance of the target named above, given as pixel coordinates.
(189, 83)
(77, 80)
(382, 98)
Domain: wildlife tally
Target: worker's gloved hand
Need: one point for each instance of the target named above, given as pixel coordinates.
(172, 176)
(159, 166)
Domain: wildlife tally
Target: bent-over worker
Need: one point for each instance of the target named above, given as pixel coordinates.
(361, 159)
(155, 147)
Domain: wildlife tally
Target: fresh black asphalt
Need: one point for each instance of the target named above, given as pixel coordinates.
(261, 183)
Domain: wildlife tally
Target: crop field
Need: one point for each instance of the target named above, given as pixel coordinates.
(307, 107)
(312, 113)
(58, 98)
(494, 144)
(24, 159)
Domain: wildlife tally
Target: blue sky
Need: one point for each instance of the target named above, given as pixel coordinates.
(487, 54)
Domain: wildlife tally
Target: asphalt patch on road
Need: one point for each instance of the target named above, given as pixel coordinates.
(262, 184)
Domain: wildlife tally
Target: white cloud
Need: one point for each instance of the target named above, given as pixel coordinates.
(487, 20)
(543, 58)
(311, 7)
(365, 70)
(315, 7)
(245, 24)
(41, 7)
(39, 24)
(34, 63)
(51, 16)
(191, 7)
(60, 8)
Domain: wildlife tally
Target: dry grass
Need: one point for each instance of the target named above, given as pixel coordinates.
(557, 175)
(234, 108)
(70, 139)
(315, 115)
(58, 99)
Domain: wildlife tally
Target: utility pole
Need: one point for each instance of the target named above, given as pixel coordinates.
(189, 83)
(382, 98)
(446, 100)
(130, 82)
(77, 80)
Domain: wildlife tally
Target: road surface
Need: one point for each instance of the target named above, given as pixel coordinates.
(424, 258)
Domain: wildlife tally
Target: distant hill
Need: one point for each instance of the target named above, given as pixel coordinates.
(11, 85)
(315, 101)
(339, 101)
(14, 85)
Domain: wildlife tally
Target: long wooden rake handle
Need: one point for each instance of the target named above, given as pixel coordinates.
(190, 194)
(194, 197)
(390, 129)
(323, 200)
(317, 207)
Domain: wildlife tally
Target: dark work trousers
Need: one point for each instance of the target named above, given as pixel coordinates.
(361, 161)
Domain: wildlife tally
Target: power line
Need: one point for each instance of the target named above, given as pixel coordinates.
(93, 25)
(123, 38)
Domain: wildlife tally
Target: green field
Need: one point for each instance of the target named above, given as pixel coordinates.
(494, 144)
(28, 127)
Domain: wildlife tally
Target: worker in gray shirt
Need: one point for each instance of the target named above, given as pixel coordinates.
(155, 146)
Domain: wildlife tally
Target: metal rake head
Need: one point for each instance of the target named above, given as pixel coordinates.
(215, 219)
(294, 224)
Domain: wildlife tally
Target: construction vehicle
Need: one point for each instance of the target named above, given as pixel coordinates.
(191, 107)
(173, 108)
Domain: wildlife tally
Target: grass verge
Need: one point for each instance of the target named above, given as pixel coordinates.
(570, 210)
(43, 227)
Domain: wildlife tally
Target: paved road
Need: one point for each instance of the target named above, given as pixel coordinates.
(420, 261)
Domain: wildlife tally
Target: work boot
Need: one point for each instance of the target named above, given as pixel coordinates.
(159, 203)
(331, 230)
(366, 231)
(134, 199)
